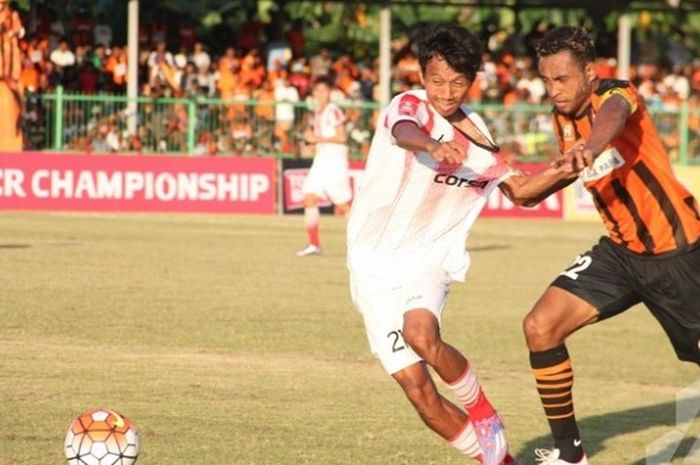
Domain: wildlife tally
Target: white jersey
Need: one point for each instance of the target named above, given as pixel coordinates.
(412, 213)
(326, 123)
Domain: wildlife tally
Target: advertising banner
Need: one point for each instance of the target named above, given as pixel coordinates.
(690, 177)
(578, 203)
(294, 172)
(137, 183)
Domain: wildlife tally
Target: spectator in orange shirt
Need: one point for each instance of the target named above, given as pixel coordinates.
(252, 70)
(265, 115)
(278, 71)
(476, 91)
(408, 68)
(11, 30)
(30, 76)
(117, 66)
(229, 67)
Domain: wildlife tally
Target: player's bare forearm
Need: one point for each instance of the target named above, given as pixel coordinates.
(609, 122)
(529, 190)
(410, 137)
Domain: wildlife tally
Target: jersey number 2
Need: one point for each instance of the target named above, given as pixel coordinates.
(581, 263)
(397, 343)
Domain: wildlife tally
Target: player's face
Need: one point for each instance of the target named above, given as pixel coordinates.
(569, 84)
(445, 87)
(321, 94)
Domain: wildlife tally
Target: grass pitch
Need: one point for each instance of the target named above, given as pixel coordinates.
(226, 349)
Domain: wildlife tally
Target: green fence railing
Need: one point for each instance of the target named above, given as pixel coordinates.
(74, 122)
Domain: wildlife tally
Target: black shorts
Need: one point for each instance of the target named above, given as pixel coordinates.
(612, 279)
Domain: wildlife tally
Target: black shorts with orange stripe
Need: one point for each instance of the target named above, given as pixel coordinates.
(613, 279)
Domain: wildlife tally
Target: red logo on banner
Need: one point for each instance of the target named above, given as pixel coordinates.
(293, 183)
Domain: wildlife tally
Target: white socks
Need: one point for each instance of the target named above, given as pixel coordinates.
(467, 388)
(466, 442)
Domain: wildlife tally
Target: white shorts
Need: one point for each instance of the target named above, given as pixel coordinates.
(383, 308)
(329, 175)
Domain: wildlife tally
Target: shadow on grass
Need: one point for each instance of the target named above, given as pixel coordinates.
(597, 429)
(486, 248)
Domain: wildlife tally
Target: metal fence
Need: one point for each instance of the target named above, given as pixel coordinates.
(98, 123)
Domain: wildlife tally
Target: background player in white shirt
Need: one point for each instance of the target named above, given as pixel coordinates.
(430, 169)
(329, 172)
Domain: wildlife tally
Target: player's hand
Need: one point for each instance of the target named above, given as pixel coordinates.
(563, 164)
(581, 157)
(449, 152)
(310, 137)
(575, 159)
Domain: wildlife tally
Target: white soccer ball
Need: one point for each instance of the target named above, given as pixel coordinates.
(102, 437)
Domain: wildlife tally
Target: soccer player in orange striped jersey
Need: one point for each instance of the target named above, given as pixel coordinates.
(652, 251)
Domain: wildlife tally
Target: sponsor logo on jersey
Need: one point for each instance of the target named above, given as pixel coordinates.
(452, 180)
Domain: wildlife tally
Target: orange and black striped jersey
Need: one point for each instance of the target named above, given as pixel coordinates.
(644, 207)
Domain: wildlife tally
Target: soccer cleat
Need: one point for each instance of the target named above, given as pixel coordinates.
(551, 457)
(310, 250)
(492, 439)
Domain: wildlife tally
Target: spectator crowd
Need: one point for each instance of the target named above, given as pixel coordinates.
(271, 65)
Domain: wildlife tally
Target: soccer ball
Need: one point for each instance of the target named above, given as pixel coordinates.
(102, 437)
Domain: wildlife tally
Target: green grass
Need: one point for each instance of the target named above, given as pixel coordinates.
(226, 349)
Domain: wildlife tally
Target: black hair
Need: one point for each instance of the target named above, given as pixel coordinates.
(460, 48)
(326, 80)
(573, 39)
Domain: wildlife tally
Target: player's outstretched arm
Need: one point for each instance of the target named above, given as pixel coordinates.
(412, 138)
(340, 136)
(530, 189)
(609, 122)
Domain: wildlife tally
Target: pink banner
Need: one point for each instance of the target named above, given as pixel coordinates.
(131, 183)
(294, 173)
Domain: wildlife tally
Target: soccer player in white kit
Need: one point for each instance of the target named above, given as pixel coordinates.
(329, 172)
(430, 169)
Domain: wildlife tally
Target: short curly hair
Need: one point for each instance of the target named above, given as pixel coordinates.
(460, 48)
(575, 40)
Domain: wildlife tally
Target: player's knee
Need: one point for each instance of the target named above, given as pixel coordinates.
(342, 209)
(310, 200)
(422, 342)
(538, 334)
